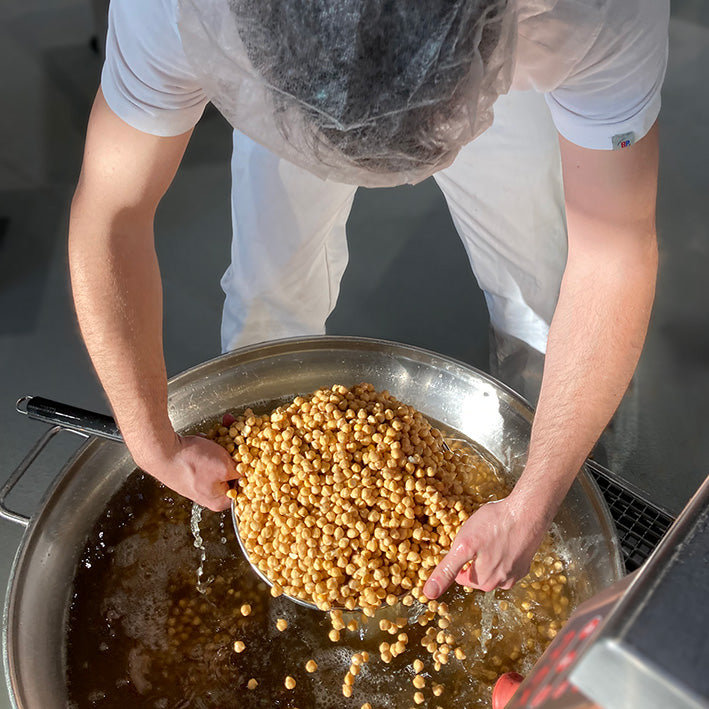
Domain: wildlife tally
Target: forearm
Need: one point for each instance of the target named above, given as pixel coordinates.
(117, 293)
(118, 296)
(594, 343)
(595, 340)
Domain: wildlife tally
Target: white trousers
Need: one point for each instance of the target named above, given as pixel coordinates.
(505, 195)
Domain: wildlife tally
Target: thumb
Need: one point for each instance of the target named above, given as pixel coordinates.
(444, 574)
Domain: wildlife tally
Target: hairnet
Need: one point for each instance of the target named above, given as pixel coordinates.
(367, 92)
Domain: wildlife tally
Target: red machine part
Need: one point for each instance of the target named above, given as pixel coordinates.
(504, 688)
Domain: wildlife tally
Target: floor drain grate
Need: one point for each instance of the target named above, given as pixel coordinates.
(640, 524)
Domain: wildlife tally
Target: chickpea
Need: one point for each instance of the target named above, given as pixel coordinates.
(289, 682)
(252, 684)
(397, 648)
(281, 624)
(311, 666)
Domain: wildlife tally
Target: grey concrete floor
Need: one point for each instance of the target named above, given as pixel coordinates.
(401, 284)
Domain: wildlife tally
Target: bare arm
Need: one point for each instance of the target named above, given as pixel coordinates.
(595, 340)
(118, 298)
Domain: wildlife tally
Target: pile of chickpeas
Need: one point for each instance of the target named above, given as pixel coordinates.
(348, 498)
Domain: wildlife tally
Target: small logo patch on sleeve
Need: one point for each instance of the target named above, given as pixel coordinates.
(624, 140)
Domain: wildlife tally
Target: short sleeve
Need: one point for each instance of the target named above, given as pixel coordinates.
(611, 97)
(146, 78)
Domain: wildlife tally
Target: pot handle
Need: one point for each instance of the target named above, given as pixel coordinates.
(21, 469)
(72, 419)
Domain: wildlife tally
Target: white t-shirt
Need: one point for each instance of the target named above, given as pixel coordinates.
(599, 63)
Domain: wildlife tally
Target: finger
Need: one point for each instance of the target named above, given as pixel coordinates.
(220, 501)
(444, 574)
(468, 576)
(484, 582)
(472, 578)
(230, 476)
(231, 472)
(216, 504)
(477, 575)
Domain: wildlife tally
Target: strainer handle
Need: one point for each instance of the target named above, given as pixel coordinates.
(70, 417)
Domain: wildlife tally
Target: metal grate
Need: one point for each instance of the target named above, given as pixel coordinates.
(640, 524)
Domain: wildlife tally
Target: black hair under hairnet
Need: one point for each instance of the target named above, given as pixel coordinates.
(380, 81)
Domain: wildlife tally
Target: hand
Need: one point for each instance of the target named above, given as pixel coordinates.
(499, 540)
(198, 469)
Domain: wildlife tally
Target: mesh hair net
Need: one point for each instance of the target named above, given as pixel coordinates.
(366, 92)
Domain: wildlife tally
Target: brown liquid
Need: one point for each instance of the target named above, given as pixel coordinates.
(141, 634)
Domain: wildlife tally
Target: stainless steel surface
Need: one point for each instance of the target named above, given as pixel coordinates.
(641, 642)
(448, 391)
(652, 649)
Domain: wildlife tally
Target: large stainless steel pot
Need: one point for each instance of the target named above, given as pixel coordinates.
(452, 393)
